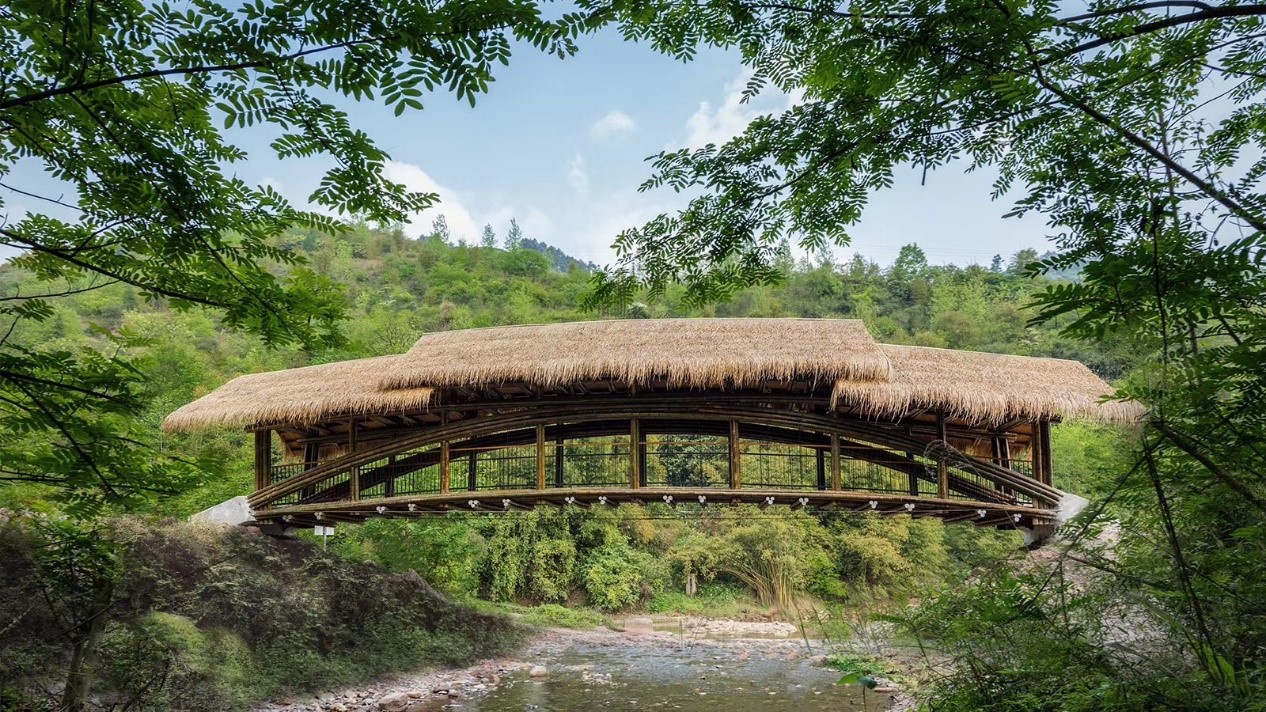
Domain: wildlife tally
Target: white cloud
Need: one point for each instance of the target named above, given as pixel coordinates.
(609, 219)
(466, 215)
(721, 123)
(461, 222)
(615, 122)
(578, 175)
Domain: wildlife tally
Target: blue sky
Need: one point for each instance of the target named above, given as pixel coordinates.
(560, 145)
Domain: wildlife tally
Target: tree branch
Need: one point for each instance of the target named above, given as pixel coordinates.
(1205, 187)
(182, 71)
(19, 240)
(1226, 478)
(1214, 13)
(1136, 8)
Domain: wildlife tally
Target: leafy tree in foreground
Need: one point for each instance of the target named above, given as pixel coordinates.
(121, 104)
(1136, 128)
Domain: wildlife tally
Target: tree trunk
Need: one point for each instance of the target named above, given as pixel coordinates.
(86, 640)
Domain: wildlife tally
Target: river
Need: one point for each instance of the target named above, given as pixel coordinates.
(571, 671)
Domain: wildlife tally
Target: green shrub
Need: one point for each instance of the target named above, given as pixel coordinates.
(713, 599)
(555, 616)
(553, 562)
(616, 576)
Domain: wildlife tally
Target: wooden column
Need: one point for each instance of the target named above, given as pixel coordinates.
(472, 471)
(444, 464)
(914, 476)
(353, 482)
(444, 459)
(311, 451)
(836, 480)
(1035, 451)
(1048, 475)
(311, 455)
(635, 454)
(821, 458)
(559, 451)
(942, 467)
(1004, 449)
(263, 458)
(540, 457)
(736, 460)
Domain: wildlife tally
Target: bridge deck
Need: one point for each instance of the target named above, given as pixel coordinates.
(951, 510)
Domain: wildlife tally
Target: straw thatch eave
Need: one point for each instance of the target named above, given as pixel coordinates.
(877, 380)
(684, 353)
(984, 388)
(300, 396)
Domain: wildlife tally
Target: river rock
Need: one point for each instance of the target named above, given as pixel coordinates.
(538, 671)
(394, 703)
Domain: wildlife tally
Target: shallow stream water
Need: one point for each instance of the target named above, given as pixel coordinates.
(586, 676)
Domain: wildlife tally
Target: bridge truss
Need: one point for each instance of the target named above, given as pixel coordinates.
(494, 454)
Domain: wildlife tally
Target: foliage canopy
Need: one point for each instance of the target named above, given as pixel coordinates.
(125, 107)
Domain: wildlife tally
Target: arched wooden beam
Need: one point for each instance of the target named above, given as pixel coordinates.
(606, 428)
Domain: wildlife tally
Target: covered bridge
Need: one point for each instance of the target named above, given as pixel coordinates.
(801, 412)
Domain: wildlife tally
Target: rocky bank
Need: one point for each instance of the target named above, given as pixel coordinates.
(435, 690)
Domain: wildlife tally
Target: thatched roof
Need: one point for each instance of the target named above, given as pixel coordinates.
(984, 388)
(300, 395)
(880, 380)
(685, 353)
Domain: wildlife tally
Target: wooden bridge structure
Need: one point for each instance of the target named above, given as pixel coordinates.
(798, 412)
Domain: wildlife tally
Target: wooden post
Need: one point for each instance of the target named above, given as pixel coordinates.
(821, 458)
(642, 478)
(942, 467)
(263, 458)
(472, 470)
(836, 480)
(311, 451)
(444, 479)
(353, 481)
(311, 455)
(914, 475)
(1048, 475)
(635, 454)
(444, 473)
(559, 451)
(1004, 449)
(540, 457)
(1035, 450)
(736, 461)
